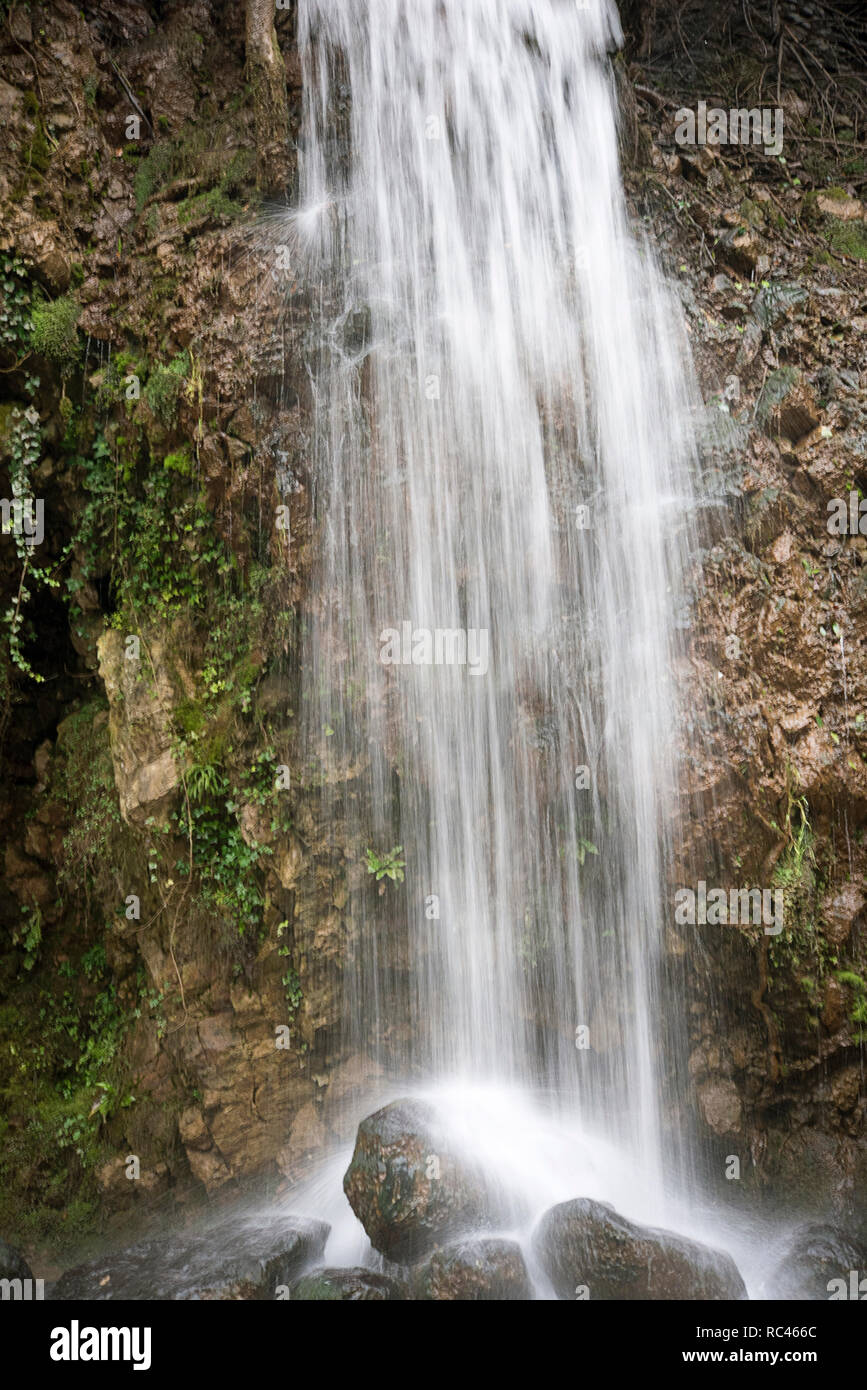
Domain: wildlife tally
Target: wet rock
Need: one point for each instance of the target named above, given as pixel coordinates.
(802, 1170)
(345, 1286)
(407, 1189)
(307, 1137)
(587, 1244)
(813, 1256)
(720, 1106)
(481, 1269)
(833, 1006)
(235, 1260)
(840, 911)
(787, 406)
(12, 1263)
(846, 1088)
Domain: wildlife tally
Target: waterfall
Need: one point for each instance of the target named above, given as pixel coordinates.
(502, 465)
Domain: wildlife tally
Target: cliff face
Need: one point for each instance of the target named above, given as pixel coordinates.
(769, 249)
(172, 951)
(174, 916)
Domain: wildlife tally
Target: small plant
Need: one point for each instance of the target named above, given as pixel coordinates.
(859, 1008)
(228, 865)
(15, 322)
(388, 865)
(290, 981)
(203, 782)
(164, 386)
(29, 935)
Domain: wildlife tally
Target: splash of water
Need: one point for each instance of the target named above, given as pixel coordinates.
(502, 453)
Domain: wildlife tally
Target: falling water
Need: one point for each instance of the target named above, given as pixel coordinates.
(501, 449)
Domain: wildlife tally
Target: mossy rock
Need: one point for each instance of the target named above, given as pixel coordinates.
(408, 1187)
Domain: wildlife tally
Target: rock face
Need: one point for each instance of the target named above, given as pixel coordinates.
(587, 1244)
(407, 1190)
(345, 1286)
(140, 722)
(235, 1260)
(481, 1269)
(814, 1256)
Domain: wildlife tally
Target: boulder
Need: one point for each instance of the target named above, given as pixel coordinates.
(813, 1256)
(408, 1190)
(345, 1286)
(237, 1259)
(12, 1263)
(586, 1244)
(481, 1269)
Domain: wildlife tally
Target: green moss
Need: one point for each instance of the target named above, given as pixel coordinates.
(54, 331)
(212, 205)
(163, 388)
(84, 787)
(849, 239)
(190, 717)
(751, 214)
(62, 1079)
(37, 153)
(180, 462)
(154, 170)
(199, 152)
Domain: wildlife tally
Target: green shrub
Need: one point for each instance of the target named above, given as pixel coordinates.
(163, 388)
(54, 331)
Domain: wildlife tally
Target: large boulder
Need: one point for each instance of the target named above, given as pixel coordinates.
(345, 1286)
(236, 1260)
(477, 1270)
(586, 1245)
(813, 1256)
(408, 1190)
(12, 1263)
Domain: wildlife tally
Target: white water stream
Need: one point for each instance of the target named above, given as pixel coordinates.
(502, 448)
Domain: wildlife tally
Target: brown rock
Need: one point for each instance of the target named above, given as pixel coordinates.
(193, 1130)
(839, 911)
(307, 1137)
(42, 243)
(141, 703)
(833, 1006)
(844, 209)
(720, 1106)
(846, 1088)
(210, 1168)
